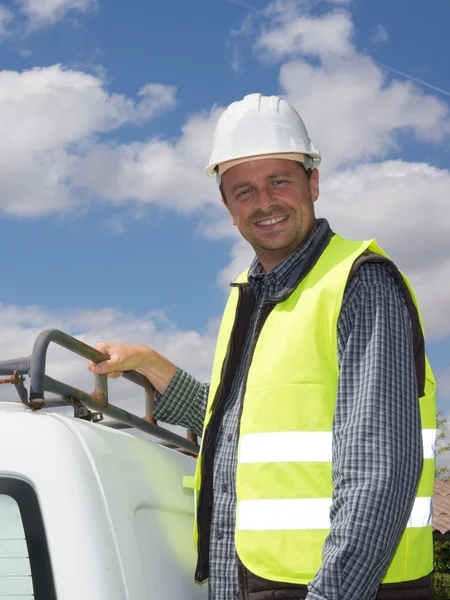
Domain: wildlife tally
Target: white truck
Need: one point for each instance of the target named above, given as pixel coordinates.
(88, 511)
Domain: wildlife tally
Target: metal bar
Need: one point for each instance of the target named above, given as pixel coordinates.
(58, 387)
(149, 405)
(101, 390)
(119, 425)
(138, 379)
(56, 402)
(63, 389)
(14, 379)
(116, 425)
(7, 367)
(159, 432)
(39, 355)
(191, 436)
(22, 391)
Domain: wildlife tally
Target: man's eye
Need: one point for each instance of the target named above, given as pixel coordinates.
(279, 181)
(243, 194)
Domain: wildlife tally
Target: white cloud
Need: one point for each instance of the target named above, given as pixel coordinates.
(47, 116)
(306, 35)
(6, 16)
(51, 156)
(390, 199)
(52, 107)
(160, 171)
(218, 226)
(354, 116)
(241, 255)
(443, 383)
(380, 35)
(353, 112)
(405, 207)
(115, 224)
(234, 42)
(156, 98)
(42, 12)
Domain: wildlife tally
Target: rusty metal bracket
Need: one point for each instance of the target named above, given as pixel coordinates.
(15, 379)
(86, 406)
(80, 411)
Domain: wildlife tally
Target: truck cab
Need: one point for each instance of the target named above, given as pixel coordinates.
(89, 511)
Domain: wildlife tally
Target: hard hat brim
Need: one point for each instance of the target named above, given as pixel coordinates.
(214, 170)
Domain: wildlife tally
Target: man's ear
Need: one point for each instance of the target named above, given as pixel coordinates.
(224, 200)
(314, 184)
(233, 220)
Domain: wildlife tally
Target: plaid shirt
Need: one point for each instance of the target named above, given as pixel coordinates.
(377, 395)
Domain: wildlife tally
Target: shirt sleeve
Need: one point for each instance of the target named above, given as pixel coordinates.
(183, 403)
(377, 439)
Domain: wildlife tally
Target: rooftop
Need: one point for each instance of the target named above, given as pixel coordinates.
(441, 506)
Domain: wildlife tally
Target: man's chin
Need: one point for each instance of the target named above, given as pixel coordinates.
(274, 248)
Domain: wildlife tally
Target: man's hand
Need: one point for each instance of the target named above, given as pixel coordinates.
(122, 357)
(130, 357)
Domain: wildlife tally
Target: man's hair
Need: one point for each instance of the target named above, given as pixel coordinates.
(306, 167)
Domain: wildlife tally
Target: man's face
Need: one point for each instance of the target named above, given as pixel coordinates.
(271, 201)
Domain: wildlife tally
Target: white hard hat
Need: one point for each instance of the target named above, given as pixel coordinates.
(259, 127)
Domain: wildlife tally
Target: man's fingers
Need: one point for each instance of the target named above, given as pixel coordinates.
(121, 357)
(102, 347)
(106, 366)
(95, 367)
(115, 374)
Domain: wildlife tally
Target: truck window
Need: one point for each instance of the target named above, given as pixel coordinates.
(15, 569)
(25, 570)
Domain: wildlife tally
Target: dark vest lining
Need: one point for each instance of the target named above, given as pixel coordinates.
(244, 311)
(252, 587)
(418, 338)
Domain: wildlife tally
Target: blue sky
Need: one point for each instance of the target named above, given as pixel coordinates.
(110, 229)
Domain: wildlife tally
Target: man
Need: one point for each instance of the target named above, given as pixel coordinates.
(317, 464)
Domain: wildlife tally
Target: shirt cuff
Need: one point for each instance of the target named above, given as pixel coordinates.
(181, 387)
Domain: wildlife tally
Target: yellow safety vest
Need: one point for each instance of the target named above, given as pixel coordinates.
(283, 480)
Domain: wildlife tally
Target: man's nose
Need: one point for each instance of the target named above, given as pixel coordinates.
(264, 198)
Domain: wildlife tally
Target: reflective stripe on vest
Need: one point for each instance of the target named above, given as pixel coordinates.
(284, 471)
(308, 513)
(303, 446)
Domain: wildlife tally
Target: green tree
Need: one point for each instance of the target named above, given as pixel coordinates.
(441, 575)
(442, 443)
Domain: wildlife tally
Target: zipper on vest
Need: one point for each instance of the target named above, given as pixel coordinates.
(217, 404)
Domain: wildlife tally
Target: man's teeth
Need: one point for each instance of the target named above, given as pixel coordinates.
(272, 221)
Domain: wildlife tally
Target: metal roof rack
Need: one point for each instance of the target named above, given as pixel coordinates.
(82, 402)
